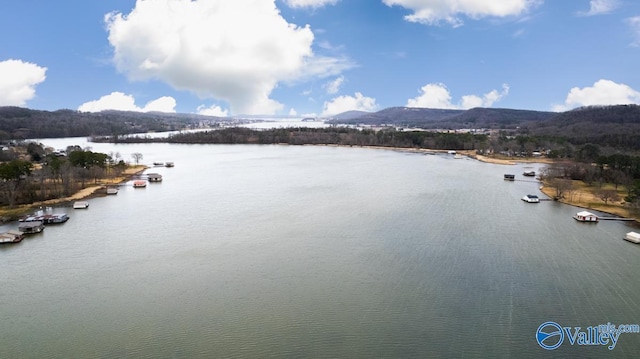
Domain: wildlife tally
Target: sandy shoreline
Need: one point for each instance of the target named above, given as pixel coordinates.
(8, 214)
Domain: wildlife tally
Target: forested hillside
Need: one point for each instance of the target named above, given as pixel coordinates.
(608, 126)
(20, 123)
(428, 118)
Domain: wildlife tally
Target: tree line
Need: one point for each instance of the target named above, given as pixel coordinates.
(342, 136)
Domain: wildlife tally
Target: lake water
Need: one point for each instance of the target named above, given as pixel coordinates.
(321, 252)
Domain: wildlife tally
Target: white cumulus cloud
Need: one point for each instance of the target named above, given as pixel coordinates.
(237, 51)
(212, 110)
(433, 12)
(123, 102)
(437, 95)
(341, 104)
(603, 92)
(334, 86)
(18, 81)
(599, 7)
(309, 3)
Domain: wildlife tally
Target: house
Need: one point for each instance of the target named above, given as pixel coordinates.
(531, 198)
(154, 177)
(585, 216)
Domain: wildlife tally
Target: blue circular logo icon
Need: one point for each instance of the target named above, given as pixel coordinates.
(550, 335)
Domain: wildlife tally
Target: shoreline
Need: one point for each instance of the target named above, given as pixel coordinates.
(615, 210)
(467, 153)
(585, 201)
(11, 214)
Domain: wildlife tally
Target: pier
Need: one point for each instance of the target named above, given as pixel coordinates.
(615, 219)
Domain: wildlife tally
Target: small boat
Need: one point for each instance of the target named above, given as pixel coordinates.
(112, 190)
(139, 184)
(11, 236)
(585, 216)
(46, 218)
(509, 177)
(452, 152)
(633, 237)
(154, 177)
(531, 198)
(158, 163)
(529, 173)
(55, 218)
(49, 218)
(31, 227)
(169, 164)
(457, 156)
(81, 205)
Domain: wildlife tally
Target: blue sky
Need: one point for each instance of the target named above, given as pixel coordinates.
(318, 57)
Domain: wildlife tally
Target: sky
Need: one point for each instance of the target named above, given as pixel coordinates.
(306, 58)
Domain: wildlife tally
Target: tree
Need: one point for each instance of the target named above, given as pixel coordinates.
(607, 195)
(137, 157)
(562, 186)
(13, 174)
(87, 161)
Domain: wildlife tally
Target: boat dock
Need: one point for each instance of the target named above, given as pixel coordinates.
(519, 180)
(615, 219)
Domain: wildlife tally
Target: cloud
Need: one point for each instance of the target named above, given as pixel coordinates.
(122, 102)
(599, 7)
(334, 86)
(436, 95)
(236, 51)
(309, 3)
(18, 80)
(213, 110)
(432, 12)
(603, 92)
(349, 103)
(634, 24)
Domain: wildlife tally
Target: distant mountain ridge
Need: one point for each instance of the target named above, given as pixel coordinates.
(447, 118)
(615, 126)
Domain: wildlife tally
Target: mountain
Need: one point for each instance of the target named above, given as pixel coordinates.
(444, 118)
(349, 115)
(22, 123)
(401, 116)
(614, 126)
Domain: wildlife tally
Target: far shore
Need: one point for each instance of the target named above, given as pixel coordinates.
(467, 153)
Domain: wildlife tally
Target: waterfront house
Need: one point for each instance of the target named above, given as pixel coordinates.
(585, 216)
(531, 198)
(154, 177)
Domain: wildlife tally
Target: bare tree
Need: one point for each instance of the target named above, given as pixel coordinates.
(137, 157)
(562, 186)
(607, 195)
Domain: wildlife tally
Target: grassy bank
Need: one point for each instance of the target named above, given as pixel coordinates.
(586, 196)
(10, 214)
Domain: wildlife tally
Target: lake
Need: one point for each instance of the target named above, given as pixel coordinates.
(252, 251)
